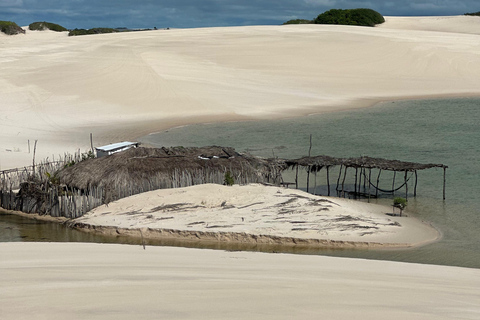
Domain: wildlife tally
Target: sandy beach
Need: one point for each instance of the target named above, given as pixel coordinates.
(58, 89)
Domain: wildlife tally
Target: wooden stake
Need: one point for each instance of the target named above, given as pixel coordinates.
(343, 182)
(369, 182)
(339, 176)
(91, 142)
(328, 180)
(378, 182)
(406, 185)
(444, 181)
(393, 183)
(416, 181)
(34, 151)
(308, 177)
(296, 179)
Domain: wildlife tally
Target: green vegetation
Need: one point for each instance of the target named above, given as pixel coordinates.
(84, 156)
(81, 32)
(355, 17)
(41, 26)
(400, 203)
(298, 21)
(10, 28)
(473, 13)
(229, 181)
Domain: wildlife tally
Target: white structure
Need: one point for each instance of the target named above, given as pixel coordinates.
(115, 147)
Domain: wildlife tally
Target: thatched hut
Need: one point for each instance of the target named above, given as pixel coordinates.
(144, 169)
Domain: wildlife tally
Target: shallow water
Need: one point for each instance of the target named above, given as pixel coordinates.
(427, 131)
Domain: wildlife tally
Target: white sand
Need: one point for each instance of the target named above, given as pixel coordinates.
(59, 89)
(92, 281)
(283, 216)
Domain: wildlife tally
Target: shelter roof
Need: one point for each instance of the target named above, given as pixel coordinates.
(115, 146)
(362, 162)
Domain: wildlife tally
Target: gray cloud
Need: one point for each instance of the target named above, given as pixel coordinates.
(202, 13)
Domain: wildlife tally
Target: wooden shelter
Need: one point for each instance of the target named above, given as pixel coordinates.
(316, 163)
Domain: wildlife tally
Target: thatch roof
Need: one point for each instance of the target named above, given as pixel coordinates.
(318, 162)
(166, 168)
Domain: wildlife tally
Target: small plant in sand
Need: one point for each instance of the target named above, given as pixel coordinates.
(229, 181)
(400, 203)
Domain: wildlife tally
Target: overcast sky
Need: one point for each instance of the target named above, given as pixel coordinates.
(207, 13)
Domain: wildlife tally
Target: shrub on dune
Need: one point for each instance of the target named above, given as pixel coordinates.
(10, 28)
(41, 26)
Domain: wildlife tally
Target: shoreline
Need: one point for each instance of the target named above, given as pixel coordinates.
(361, 104)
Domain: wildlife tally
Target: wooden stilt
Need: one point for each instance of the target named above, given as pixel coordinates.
(343, 182)
(444, 181)
(356, 179)
(296, 179)
(378, 182)
(369, 182)
(339, 176)
(308, 178)
(328, 180)
(416, 181)
(406, 185)
(393, 183)
(364, 180)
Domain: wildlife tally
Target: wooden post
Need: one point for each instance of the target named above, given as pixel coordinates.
(328, 180)
(91, 142)
(308, 177)
(393, 183)
(339, 176)
(406, 185)
(34, 151)
(369, 182)
(315, 187)
(296, 178)
(356, 179)
(444, 181)
(416, 181)
(378, 182)
(343, 182)
(364, 180)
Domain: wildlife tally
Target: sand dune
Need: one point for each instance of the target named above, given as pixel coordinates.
(78, 281)
(57, 89)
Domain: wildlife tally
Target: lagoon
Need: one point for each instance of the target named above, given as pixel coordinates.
(427, 131)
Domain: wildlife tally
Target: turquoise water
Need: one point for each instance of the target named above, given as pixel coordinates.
(427, 131)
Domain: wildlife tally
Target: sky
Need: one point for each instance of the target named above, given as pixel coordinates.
(208, 13)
